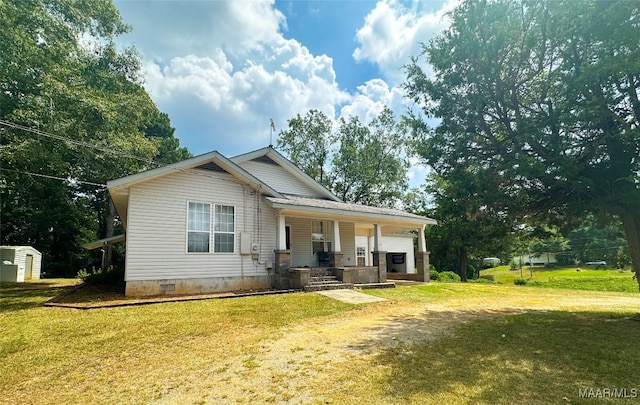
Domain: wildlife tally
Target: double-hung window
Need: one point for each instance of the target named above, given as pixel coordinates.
(198, 227)
(203, 232)
(224, 233)
(320, 236)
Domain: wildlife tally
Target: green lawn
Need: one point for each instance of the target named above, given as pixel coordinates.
(566, 278)
(438, 343)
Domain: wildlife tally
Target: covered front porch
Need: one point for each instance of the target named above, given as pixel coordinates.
(350, 249)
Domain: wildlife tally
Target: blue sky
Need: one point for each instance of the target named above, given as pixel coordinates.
(222, 69)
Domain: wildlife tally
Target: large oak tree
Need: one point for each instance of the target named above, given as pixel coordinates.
(64, 84)
(543, 96)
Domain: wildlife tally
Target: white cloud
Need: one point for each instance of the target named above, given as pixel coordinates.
(165, 29)
(289, 80)
(392, 33)
(221, 69)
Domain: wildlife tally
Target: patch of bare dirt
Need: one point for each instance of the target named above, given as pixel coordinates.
(291, 367)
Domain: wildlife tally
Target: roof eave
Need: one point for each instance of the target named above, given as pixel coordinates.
(192, 163)
(349, 213)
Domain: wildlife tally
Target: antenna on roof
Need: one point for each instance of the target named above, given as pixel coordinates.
(273, 128)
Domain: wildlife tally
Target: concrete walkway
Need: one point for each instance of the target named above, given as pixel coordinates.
(350, 296)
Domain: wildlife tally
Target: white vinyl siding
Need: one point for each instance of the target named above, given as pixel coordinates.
(157, 224)
(279, 179)
(348, 243)
(301, 242)
(301, 252)
(401, 244)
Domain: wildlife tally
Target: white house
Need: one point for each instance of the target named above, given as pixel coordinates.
(19, 263)
(254, 221)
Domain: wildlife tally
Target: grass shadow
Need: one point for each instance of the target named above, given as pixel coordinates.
(17, 299)
(533, 357)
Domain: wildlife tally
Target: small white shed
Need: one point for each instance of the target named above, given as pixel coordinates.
(19, 263)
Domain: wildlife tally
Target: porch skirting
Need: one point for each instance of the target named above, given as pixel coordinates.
(359, 275)
(298, 277)
(196, 285)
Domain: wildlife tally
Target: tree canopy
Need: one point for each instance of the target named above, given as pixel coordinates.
(360, 163)
(542, 97)
(74, 115)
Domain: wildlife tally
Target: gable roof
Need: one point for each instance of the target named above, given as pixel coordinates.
(276, 157)
(203, 161)
(213, 161)
(326, 204)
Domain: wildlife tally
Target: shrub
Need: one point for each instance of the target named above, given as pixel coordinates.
(519, 281)
(434, 275)
(472, 271)
(113, 276)
(448, 276)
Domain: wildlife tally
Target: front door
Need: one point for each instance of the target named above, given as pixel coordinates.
(361, 255)
(28, 269)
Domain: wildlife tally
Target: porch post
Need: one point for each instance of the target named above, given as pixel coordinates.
(377, 238)
(379, 255)
(422, 243)
(281, 269)
(422, 257)
(281, 233)
(282, 256)
(335, 257)
(336, 237)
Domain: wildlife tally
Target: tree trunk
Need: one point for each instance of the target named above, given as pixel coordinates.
(462, 254)
(108, 248)
(631, 224)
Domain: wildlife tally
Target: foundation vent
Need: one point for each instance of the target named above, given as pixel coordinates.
(167, 287)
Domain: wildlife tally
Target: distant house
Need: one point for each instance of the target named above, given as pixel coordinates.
(19, 263)
(541, 260)
(254, 221)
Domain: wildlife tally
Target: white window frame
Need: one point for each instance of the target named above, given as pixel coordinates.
(211, 232)
(361, 252)
(327, 240)
(232, 233)
(208, 232)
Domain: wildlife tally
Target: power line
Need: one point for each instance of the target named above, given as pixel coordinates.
(54, 177)
(109, 150)
(75, 142)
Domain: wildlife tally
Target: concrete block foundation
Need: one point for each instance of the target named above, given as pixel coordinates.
(196, 285)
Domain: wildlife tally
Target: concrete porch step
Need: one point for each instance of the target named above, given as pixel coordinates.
(328, 286)
(322, 279)
(371, 286)
(324, 282)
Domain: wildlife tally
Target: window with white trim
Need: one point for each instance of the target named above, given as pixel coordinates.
(320, 236)
(199, 228)
(224, 235)
(361, 254)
